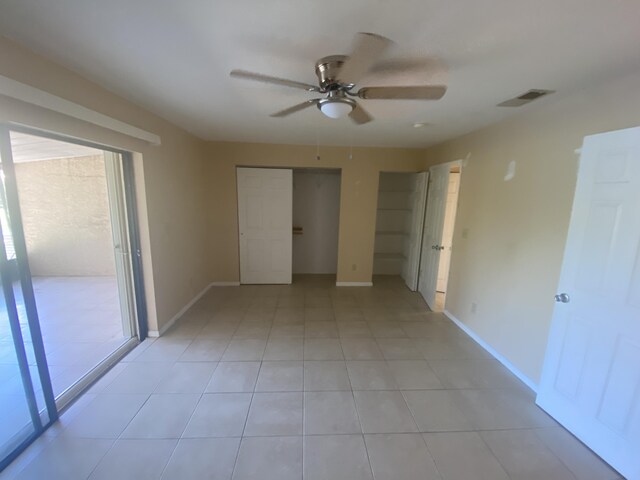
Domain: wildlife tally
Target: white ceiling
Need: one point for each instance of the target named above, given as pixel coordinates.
(174, 57)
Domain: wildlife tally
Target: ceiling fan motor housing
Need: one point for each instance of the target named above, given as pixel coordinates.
(327, 69)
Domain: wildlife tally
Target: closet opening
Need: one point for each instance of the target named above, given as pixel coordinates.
(316, 221)
(399, 224)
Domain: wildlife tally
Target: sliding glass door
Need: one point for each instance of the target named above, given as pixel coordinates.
(70, 270)
(27, 403)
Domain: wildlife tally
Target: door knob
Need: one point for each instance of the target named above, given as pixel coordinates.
(562, 298)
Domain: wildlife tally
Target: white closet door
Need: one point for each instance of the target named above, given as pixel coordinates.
(265, 209)
(419, 199)
(591, 377)
(432, 236)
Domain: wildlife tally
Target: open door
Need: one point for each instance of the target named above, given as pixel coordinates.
(591, 377)
(265, 213)
(433, 229)
(419, 199)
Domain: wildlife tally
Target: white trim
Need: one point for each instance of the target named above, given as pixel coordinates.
(224, 284)
(35, 96)
(169, 324)
(526, 380)
(354, 284)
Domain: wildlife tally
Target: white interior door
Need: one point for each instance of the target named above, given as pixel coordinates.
(419, 200)
(433, 228)
(447, 232)
(265, 210)
(591, 377)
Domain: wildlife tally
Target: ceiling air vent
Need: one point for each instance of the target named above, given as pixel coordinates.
(526, 97)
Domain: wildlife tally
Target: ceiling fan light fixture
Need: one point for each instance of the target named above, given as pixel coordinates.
(336, 107)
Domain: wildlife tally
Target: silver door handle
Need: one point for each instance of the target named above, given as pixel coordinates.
(562, 298)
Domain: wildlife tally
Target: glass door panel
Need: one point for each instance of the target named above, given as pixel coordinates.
(26, 400)
(72, 205)
(68, 307)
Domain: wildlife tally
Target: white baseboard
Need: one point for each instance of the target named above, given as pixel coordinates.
(224, 284)
(354, 284)
(508, 365)
(174, 319)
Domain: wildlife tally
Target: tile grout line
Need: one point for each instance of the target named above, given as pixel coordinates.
(235, 463)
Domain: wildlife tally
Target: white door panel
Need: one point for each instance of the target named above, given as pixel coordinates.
(591, 377)
(433, 228)
(419, 199)
(451, 209)
(265, 206)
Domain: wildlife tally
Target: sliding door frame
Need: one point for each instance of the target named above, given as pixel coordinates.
(130, 197)
(126, 189)
(24, 276)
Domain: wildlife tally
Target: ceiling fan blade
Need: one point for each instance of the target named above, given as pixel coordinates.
(295, 108)
(410, 65)
(259, 77)
(368, 49)
(359, 115)
(426, 92)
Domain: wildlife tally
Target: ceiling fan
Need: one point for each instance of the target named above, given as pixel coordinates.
(337, 77)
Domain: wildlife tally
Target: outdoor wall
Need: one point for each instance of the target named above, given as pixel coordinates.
(170, 178)
(358, 197)
(509, 235)
(316, 208)
(65, 213)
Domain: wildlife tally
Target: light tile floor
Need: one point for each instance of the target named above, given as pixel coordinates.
(311, 382)
(81, 325)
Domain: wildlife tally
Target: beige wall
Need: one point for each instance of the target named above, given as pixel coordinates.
(358, 198)
(65, 214)
(509, 236)
(170, 178)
